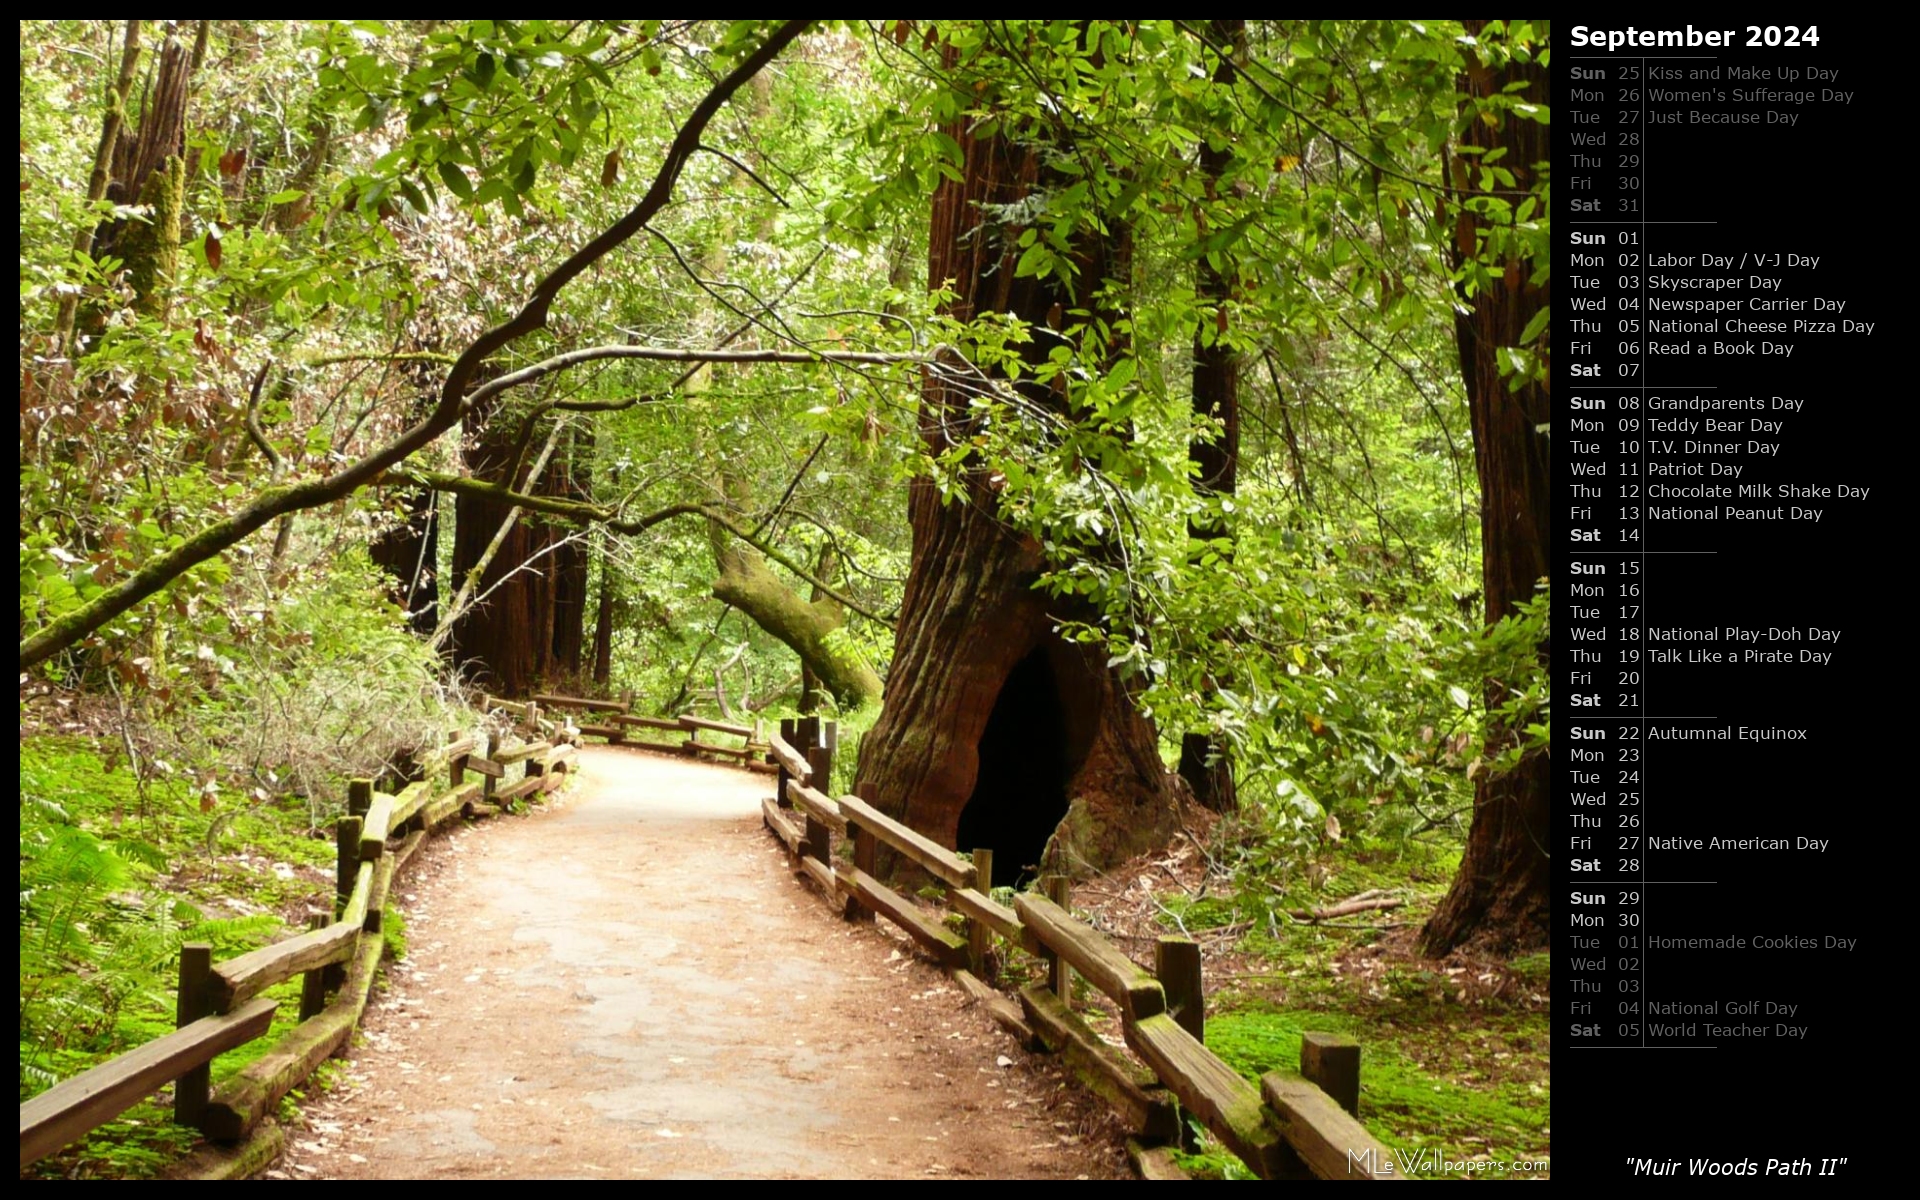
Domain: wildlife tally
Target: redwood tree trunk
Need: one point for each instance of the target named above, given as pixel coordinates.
(505, 641)
(970, 615)
(1500, 897)
(1216, 394)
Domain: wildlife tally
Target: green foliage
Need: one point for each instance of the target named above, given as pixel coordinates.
(100, 925)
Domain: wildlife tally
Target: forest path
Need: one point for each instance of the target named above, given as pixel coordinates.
(630, 983)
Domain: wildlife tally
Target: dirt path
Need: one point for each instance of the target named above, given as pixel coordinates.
(631, 984)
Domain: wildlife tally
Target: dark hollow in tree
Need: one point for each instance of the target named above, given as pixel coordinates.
(1020, 792)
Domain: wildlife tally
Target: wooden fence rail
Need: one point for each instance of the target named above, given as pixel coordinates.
(612, 718)
(1288, 1126)
(220, 1006)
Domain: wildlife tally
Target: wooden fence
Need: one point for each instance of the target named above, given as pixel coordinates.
(1293, 1125)
(219, 1005)
(612, 719)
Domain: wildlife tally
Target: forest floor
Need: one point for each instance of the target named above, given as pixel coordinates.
(631, 984)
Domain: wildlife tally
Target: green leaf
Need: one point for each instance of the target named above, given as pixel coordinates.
(455, 179)
(1538, 323)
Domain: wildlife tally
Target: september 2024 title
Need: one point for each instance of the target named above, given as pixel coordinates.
(1632, 38)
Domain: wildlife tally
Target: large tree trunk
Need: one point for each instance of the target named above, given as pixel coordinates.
(1500, 899)
(1216, 395)
(993, 728)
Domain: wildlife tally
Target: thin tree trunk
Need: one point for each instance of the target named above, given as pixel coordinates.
(1500, 897)
(603, 620)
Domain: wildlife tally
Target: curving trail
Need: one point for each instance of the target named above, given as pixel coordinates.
(630, 984)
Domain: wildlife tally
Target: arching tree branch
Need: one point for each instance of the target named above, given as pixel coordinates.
(275, 501)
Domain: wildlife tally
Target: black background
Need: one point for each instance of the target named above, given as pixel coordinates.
(1766, 189)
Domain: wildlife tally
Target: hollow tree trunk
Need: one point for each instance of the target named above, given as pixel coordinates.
(970, 615)
(1499, 899)
(1216, 394)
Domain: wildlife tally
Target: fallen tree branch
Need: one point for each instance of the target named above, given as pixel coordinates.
(70, 628)
(1345, 908)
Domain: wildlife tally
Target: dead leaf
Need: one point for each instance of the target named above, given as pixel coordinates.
(1333, 828)
(233, 162)
(610, 169)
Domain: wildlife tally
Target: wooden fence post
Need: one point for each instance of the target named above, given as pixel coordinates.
(191, 1002)
(346, 862)
(313, 984)
(346, 869)
(456, 764)
(789, 732)
(820, 769)
(1176, 964)
(866, 853)
(1059, 889)
(979, 937)
(1331, 1062)
(533, 721)
(359, 796)
(493, 748)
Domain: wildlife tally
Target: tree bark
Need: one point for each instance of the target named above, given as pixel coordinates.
(1499, 899)
(1216, 395)
(970, 614)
